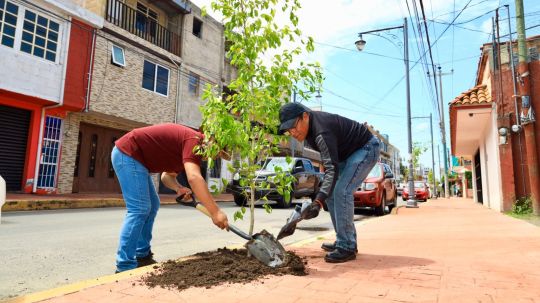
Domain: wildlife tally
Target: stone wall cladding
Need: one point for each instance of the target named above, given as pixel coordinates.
(118, 90)
(69, 143)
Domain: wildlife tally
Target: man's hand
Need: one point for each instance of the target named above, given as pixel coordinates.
(184, 193)
(310, 210)
(220, 220)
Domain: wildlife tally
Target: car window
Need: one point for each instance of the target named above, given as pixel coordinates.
(279, 162)
(308, 166)
(419, 185)
(375, 172)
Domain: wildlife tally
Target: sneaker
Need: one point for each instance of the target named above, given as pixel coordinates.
(328, 246)
(340, 255)
(145, 261)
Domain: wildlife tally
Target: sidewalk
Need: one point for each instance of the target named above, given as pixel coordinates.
(448, 250)
(18, 202)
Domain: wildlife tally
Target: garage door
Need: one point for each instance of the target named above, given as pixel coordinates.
(14, 124)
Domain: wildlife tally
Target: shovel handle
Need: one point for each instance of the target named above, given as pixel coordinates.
(203, 209)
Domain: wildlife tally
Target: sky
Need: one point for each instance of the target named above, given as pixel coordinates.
(369, 86)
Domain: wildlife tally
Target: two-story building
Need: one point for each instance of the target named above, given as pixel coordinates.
(45, 58)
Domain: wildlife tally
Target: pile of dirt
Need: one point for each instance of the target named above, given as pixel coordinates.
(213, 268)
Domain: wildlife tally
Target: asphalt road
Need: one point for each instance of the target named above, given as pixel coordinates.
(40, 250)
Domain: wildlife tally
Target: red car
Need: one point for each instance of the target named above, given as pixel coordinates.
(378, 191)
(421, 191)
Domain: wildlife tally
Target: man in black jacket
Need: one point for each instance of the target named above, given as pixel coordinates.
(348, 152)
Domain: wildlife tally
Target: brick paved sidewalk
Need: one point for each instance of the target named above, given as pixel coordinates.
(445, 251)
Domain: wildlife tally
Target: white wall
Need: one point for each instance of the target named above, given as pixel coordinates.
(489, 158)
(493, 164)
(30, 75)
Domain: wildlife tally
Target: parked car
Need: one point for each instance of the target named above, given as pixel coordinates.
(421, 191)
(307, 181)
(378, 191)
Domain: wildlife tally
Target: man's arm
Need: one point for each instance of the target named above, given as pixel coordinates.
(169, 180)
(328, 151)
(200, 188)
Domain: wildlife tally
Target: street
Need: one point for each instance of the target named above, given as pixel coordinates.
(46, 249)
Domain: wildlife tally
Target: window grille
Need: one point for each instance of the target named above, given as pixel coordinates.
(50, 153)
(40, 36)
(8, 22)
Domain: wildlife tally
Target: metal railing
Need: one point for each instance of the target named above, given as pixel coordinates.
(137, 23)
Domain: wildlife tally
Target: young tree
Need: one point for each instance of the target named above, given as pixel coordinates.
(244, 122)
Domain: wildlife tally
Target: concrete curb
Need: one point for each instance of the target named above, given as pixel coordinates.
(78, 286)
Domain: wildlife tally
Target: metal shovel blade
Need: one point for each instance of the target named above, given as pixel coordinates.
(265, 248)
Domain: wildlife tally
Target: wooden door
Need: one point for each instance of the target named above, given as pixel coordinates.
(93, 169)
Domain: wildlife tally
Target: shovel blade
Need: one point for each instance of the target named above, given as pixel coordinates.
(267, 249)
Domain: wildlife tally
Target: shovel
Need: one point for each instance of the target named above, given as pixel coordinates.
(306, 211)
(263, 246)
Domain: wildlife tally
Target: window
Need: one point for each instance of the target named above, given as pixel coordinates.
(8, 22)
(118, 57)
(40, 36)
(155, 78)
(194, 80)
(197, 27)
(147, 20)
(50, 153)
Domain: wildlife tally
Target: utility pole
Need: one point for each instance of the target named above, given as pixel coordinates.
(439, 157)
(527, 113)
(443, 135)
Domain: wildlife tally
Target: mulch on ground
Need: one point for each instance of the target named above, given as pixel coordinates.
(222, 266)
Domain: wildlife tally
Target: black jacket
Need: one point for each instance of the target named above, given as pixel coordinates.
(336, 138)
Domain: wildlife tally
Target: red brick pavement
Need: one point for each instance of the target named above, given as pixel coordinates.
(445, 251)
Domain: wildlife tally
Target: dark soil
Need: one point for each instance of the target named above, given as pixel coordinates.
(212, 268)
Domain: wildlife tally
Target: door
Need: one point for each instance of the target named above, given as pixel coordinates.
(478, 179)
(388, 183)
(14, 124)
(93, 168)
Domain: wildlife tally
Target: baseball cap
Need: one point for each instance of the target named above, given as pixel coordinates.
(288, 114)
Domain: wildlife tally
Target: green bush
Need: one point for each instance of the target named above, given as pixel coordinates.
(522, 206)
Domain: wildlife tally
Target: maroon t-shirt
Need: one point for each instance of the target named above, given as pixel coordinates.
(162, 147)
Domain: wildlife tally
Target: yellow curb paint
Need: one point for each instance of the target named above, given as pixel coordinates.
(76, 287)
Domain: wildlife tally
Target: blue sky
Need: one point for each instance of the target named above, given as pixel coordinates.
(368, 85)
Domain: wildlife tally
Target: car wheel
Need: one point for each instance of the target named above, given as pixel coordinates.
(381, 209)
(240, 199)
(394, 202)
(284, 203)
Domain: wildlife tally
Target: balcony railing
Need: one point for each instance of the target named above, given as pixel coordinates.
(143, 26)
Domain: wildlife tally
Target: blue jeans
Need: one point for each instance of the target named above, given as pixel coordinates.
(142, 203)
(352, 173)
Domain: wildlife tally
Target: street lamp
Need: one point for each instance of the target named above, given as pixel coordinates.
(360, 44)
(432, 154)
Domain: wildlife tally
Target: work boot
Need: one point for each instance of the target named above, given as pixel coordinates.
(340, 255)
(328, 246)
(145, 261)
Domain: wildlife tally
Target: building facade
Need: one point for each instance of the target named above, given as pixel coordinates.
(481, 121)
(45, 57)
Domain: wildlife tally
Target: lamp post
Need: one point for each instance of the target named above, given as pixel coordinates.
(318, 97)
(432, 153)
(360, 44)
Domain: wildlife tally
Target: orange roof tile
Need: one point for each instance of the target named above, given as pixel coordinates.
(476, 95)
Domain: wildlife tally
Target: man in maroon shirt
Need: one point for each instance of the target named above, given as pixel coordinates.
(167, 149)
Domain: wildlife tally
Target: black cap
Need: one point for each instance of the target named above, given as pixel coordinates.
(288, 114)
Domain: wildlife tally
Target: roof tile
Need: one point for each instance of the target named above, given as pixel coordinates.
(476, 95)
